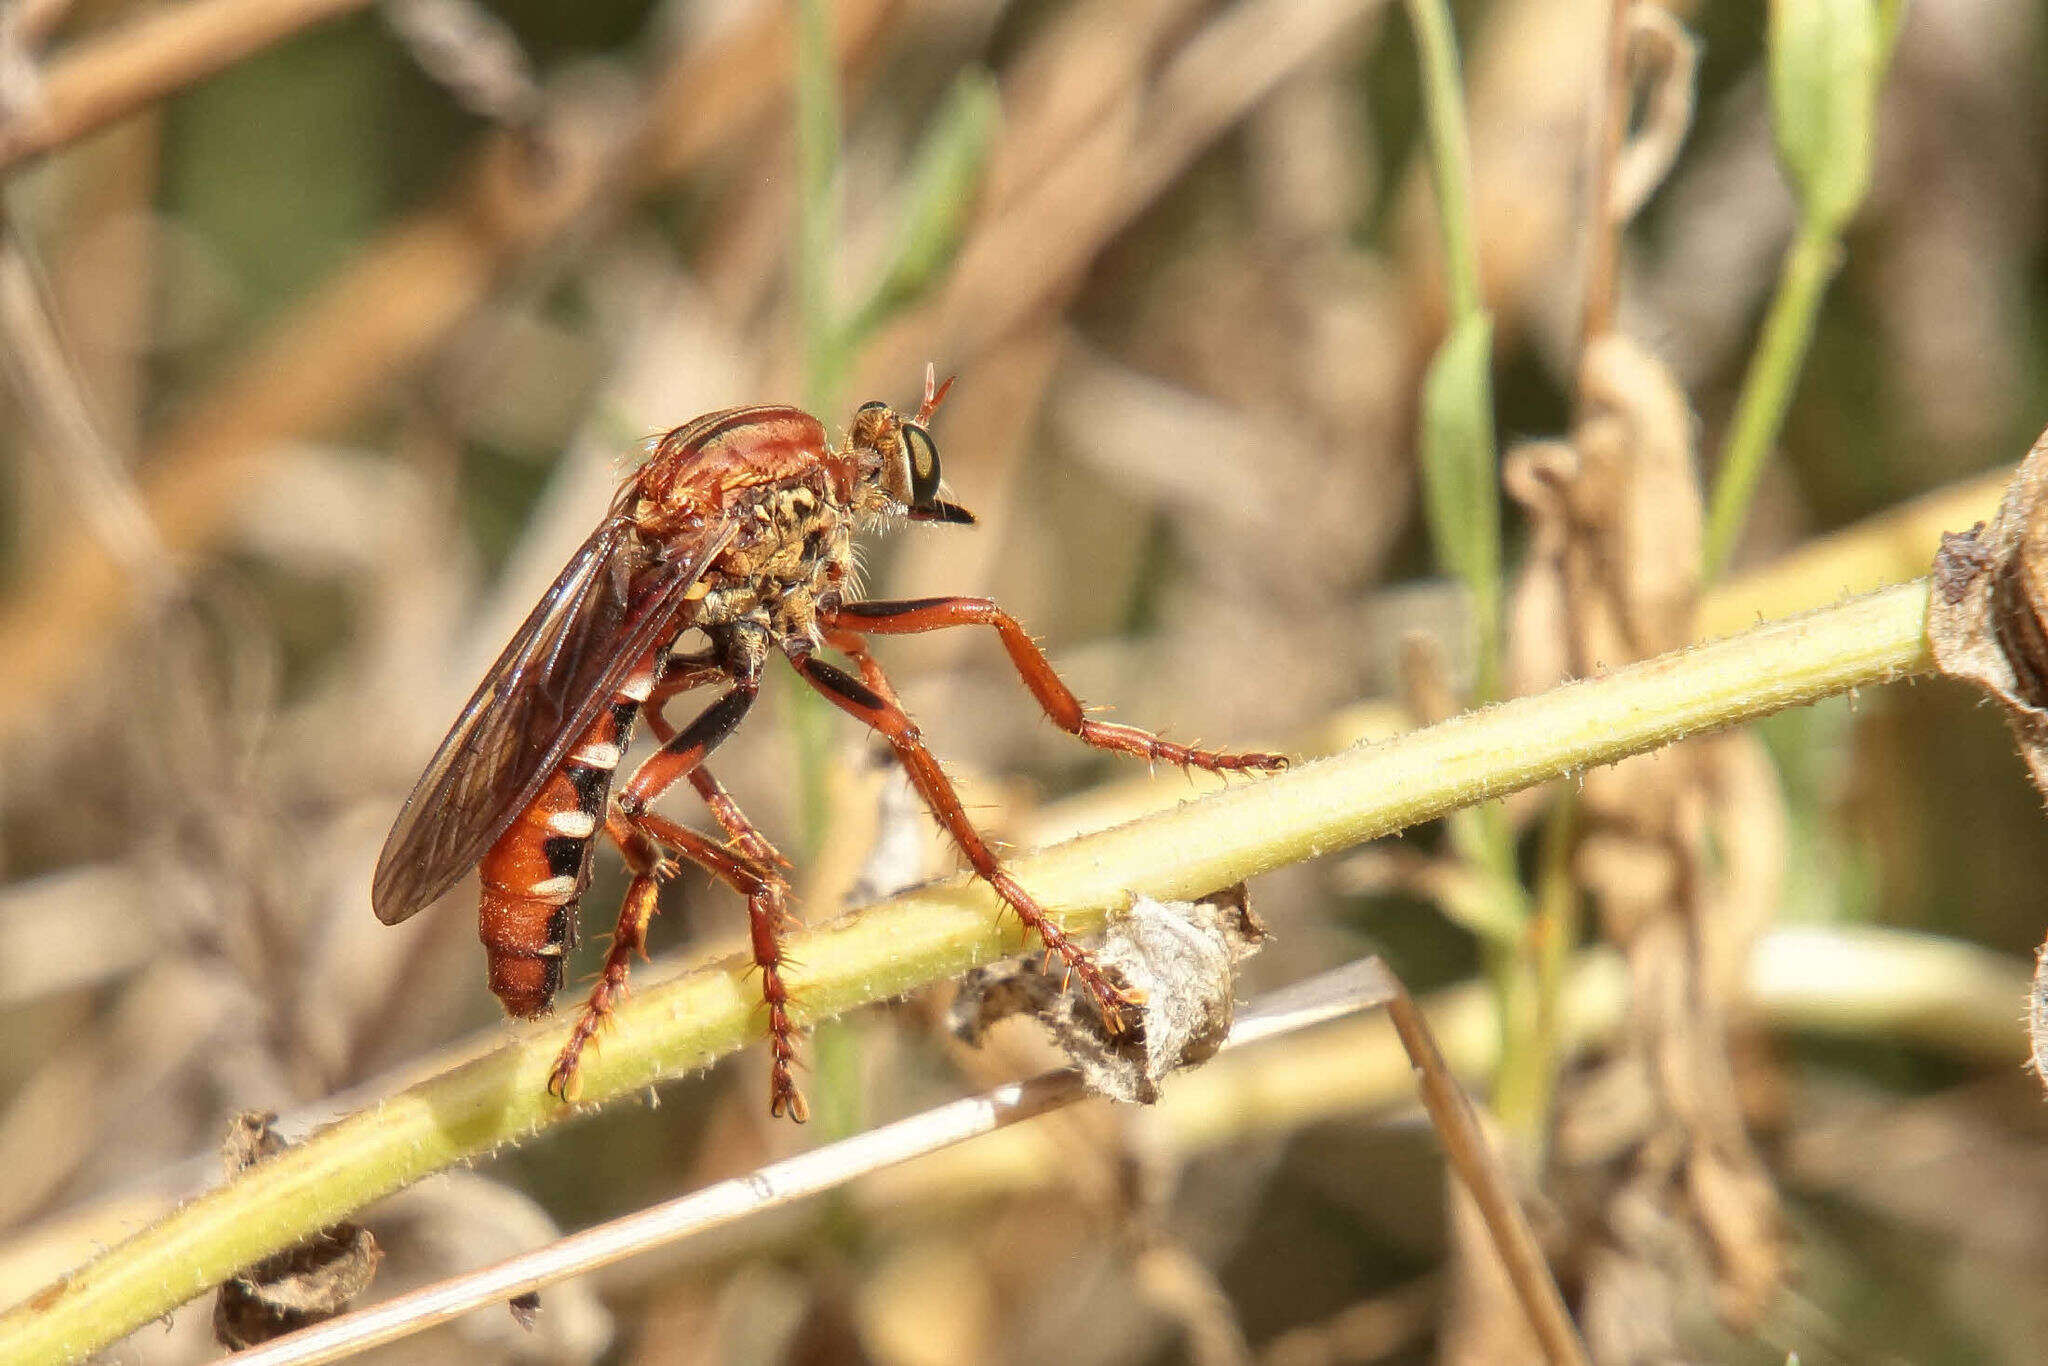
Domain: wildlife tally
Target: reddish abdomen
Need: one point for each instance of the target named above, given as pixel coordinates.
(534, 876)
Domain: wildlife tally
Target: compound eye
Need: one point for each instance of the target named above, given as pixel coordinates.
(871, 406)
(924, 465)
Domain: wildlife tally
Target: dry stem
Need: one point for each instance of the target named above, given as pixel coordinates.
(149, 58)
(1480, 1168)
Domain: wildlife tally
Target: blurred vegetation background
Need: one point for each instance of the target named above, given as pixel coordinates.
(323, 360)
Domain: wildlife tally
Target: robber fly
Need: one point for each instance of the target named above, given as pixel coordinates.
(740, 527)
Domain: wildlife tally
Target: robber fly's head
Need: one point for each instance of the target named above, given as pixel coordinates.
(898, 463)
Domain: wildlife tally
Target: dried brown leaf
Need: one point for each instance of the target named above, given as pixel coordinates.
(1669, 1210)
(301, 1285)
(1638, 490)
(1987, 618)
(1667, 58)
(1539, 650)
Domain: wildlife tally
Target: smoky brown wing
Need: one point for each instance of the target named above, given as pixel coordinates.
(498, 744)
(613, 601)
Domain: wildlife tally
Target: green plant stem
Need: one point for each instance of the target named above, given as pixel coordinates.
(1450, 151)
(1767, 389)
(1483, 839)
(1460, 466)
(1891, 14)
(937, 195)
(1553, 939)
(817, 161)
(1460, 471)
(1461, 485)
(836, 1054)
(937, 932)
(817, 164)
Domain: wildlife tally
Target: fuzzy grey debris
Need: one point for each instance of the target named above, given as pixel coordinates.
(1179, 958)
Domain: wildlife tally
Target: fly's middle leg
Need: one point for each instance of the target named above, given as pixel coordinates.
(878, 708)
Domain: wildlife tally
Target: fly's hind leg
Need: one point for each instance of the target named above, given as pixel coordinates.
(645, 839)
(767, 916)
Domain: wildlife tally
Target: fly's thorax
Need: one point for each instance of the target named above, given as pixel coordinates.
(791, 543)
(706, 469)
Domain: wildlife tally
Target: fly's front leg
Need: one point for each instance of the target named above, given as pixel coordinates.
(681, 752)
(855, 647)
(880, 711)
(744, 834)
(1058, 700)
(767, 916)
